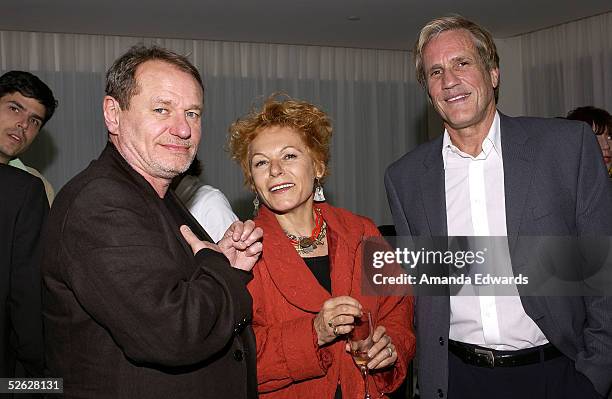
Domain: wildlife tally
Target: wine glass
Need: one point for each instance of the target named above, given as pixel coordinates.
(360, 342)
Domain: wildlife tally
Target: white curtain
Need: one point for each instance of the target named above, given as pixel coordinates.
(378, 110)
(568, 66)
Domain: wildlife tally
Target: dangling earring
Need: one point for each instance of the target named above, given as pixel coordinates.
(255, 205)
(318, 194)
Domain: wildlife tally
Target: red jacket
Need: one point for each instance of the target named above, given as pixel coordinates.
(286, 299)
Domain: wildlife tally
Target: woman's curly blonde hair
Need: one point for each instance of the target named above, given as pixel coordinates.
(281, 110)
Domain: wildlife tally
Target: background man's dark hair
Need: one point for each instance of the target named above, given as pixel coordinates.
(121, 77)
(599, 119)
(30, 86)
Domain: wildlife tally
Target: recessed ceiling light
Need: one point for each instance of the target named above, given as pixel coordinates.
(354, 18)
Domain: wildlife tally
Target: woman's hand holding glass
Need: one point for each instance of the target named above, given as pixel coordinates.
(382, 354)
(359, 343)
(336, 318)
(370, 349)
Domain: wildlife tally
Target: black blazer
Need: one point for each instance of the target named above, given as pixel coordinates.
(23, 210)
(129, 311)
(555, 184)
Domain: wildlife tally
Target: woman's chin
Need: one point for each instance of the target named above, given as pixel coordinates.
(282, 209)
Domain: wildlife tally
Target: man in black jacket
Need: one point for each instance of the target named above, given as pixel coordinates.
(23, 210)
(129, 311)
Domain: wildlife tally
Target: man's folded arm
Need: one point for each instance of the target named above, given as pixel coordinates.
(123, 275)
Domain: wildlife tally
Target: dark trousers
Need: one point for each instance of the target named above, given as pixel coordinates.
(553, 379)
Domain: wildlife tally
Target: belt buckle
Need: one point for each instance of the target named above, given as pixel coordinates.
(488, 354)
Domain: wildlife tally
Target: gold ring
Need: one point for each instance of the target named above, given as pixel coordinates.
(336, 331)
(390, 351)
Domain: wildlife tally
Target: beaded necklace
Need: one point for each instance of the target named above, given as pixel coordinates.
(306, 244)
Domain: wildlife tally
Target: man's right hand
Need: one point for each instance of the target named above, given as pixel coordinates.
(241, 244)
(194, 242)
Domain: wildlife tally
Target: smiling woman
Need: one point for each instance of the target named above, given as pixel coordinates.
(307, 284)
(283, 171)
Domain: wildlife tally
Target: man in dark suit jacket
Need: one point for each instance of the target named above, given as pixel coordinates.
(494, 175)
(23, 210)
(129, 311)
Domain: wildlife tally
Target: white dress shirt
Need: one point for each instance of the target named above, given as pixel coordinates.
(17, 163)
(207, 204)
(475, 206)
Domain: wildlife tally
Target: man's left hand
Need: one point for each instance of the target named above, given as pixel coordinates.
(241, 244)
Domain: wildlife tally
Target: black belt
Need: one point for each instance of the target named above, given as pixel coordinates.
(485, 357)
